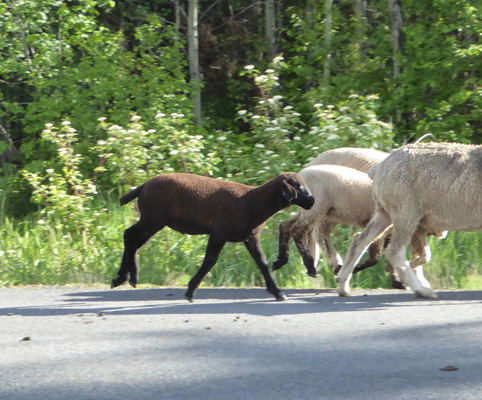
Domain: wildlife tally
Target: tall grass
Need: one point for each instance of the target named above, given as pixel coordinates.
(457, 261)
(44, 252)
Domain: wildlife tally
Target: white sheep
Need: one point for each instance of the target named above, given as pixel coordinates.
(307, 238)
(362, 160)
(435, 186)
(352, 157)
(342, 196)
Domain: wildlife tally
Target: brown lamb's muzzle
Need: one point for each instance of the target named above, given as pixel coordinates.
(305, 201)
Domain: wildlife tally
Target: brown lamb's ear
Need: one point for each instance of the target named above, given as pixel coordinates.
(289, 193)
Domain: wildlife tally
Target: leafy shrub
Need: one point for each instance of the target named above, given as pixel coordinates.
(352, 123)
(280, 141)
(62, 190)
(130, 156)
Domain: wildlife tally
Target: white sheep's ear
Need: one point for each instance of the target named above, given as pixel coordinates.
(289, 193)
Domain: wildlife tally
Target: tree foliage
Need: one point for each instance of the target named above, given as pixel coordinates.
(59, 60)
(96, 97)
(125, 63)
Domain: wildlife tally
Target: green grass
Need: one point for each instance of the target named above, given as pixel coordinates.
(51, 254)
(456, 261)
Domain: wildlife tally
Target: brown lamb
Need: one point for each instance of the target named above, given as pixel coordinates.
(197, 205)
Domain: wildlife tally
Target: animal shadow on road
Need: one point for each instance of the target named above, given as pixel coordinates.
(253, 301)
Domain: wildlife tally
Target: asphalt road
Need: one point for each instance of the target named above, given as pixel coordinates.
(97, 343)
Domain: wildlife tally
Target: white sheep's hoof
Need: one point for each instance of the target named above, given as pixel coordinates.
(427, 294)
(343, 293)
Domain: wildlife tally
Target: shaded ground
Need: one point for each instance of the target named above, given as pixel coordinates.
(97, 343)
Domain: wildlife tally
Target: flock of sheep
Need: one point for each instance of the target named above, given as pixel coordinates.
(399, 199)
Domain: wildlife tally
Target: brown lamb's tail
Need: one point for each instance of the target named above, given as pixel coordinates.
(131, 195)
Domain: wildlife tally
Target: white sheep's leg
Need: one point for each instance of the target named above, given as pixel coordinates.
(284, 243)
(422, 254)
(421, 277)
(375, 253)
(379, 223)
(420, 249)
(323, 234)
(302, 231)
(336, 262)
(302, 241)
(314, 247)
(421, 259)
(396, 253)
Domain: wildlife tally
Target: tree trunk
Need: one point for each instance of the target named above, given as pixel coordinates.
(194, 61)
(177, 15)
(11, 153)
(327, 63)
(360, 9)
(312, 39)
(397, 35)
(270, 27)
(398, 46)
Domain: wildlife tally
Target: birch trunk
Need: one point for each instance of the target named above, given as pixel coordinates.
(360, 9)
(270, 27)
(177, 15)
(397, 34)
(313, 45)
(10, 153)
(194, 61)
(398, 39)
(327, 63)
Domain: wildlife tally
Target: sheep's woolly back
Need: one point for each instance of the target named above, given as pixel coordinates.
(438, 184)
(371, 171)
(352, 157)
(341, 194)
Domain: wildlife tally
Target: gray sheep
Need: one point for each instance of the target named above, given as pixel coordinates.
(196, 205)
(437, 186)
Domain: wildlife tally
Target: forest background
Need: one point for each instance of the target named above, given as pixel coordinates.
(96, 96)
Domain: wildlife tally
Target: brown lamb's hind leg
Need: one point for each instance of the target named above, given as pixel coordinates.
(134, 238)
